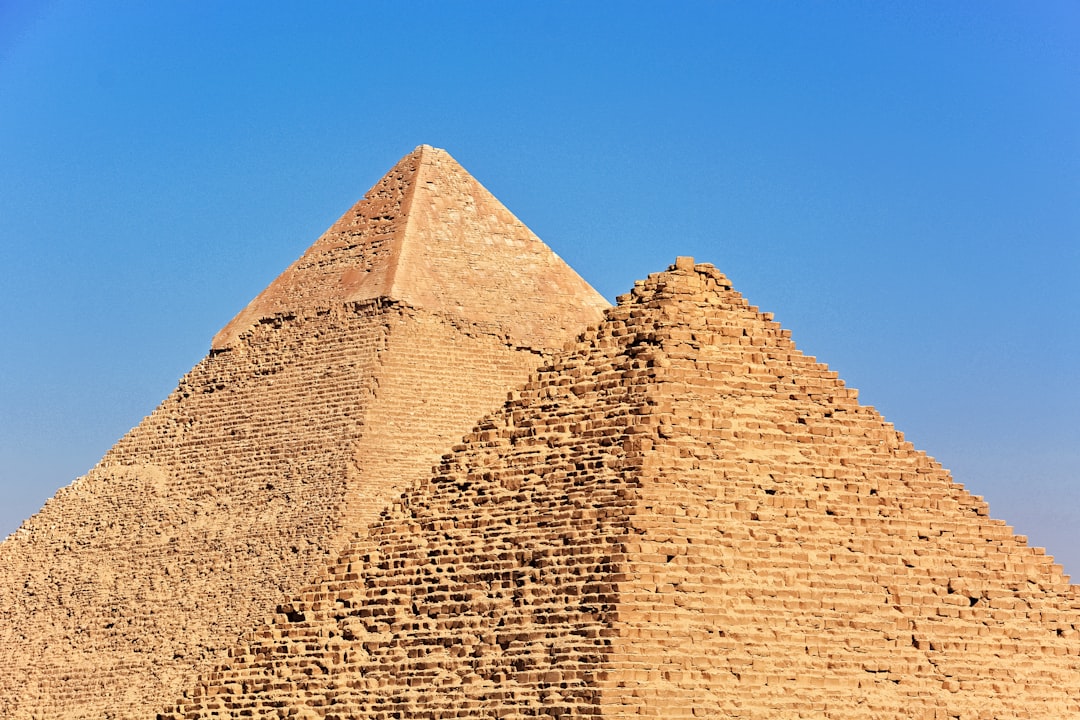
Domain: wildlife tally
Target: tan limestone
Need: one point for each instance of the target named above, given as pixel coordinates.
(337, 387)
(681, 517)
(429, 235)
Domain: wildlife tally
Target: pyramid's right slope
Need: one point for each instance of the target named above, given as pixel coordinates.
(683, 517)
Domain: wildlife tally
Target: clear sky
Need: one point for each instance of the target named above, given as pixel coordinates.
(899, 182)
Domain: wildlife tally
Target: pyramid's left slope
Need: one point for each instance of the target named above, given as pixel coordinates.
(311, 411)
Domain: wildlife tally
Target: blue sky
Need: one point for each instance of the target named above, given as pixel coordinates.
(898, 182)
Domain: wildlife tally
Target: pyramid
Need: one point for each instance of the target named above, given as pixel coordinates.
(430, 236)
(681, 517)
(337, 387)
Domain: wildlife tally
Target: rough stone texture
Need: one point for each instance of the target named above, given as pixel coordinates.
(337, 387)
(681, 517)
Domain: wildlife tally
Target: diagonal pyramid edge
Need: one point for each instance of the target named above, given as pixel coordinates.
(430, 235)
(260, 465)
(681, 515)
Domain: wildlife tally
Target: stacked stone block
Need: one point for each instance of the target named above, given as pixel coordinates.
(317, 405)
(798, 558)
(681, 517)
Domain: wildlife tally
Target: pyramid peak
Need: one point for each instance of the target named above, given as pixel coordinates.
(424, 152)
(683, 278)
(683, 262)
(430, 235)
(334, 390)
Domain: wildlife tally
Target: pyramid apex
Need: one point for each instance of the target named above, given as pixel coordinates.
(684, 277)
(423, 150)
(429, 235)
(686, 264)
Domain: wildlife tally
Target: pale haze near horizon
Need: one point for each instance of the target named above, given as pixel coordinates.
(898, 182)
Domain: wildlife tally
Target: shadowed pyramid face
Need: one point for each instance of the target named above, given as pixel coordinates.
(337, 387)
(682, 516)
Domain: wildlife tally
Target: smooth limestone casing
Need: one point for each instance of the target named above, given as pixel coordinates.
(335, 388)
(431, 236)
(682, 517)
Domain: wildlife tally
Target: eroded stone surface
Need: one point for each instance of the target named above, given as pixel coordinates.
(333, 390)
(681, 517)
